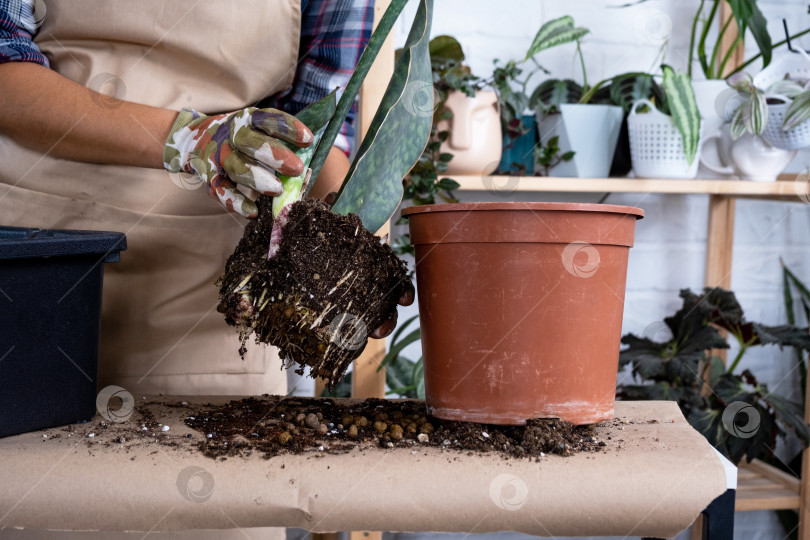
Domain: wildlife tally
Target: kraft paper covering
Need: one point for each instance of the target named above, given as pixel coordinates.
(653, 478)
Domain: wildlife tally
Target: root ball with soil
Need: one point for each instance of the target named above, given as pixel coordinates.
(328, 284)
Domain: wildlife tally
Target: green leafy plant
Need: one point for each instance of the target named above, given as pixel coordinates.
(508, 76)
(549, 155)
(745, 14)
(424, 181)
(682, 366)
(679, 102)
(395, 140)
(752, 114)
(627, 88)
(801, 305)
(405, 378)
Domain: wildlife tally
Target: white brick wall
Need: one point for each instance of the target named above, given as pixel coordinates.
(670, 242)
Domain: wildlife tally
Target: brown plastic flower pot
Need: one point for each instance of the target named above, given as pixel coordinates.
(520, 307)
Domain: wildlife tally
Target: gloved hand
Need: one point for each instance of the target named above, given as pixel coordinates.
(242, 147)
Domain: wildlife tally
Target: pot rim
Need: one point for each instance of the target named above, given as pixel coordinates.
(638, 213)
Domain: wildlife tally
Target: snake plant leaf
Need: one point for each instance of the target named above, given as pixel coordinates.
(373, 47)
(318, 114)
(798, 111)
(748, 15)
(683, 108)
(553, 33)
(397, 135)
(315, 116)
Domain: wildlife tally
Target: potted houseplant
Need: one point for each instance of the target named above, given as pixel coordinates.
(579, 120)
(466, 114)
(519, 129)
(747, 18)
(281, 280)
(775, 104)
(742, 147)
(665, 137)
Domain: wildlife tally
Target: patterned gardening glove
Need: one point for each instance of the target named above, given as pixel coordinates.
(243, 147)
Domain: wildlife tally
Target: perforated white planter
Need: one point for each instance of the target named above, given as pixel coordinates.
(656, 146)
(794, 66)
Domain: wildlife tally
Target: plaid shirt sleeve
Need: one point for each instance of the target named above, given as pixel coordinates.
(333, 36)
(19, 22)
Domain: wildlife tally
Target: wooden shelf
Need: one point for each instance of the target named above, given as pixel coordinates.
(786, 188)
(763, 487)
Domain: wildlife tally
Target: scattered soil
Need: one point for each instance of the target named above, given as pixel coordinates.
(274, 426)
(318, 299)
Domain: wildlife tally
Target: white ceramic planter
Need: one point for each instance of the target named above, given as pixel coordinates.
(750, 157)
(475, 133)
(590, 131)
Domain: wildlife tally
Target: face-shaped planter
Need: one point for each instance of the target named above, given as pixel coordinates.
(475, 133)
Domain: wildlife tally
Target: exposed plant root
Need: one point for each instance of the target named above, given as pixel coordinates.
(329, 284)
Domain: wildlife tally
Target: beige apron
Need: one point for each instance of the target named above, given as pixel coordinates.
(161, 332)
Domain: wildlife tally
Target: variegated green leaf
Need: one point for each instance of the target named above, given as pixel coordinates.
(683, 108)
(316, 116)
(742, 82)
(798, 111)
(553, 33)
(786, 87)
(755, 113)
(397, 135)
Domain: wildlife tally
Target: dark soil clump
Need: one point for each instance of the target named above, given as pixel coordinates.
(318, 299)
(274, 426)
